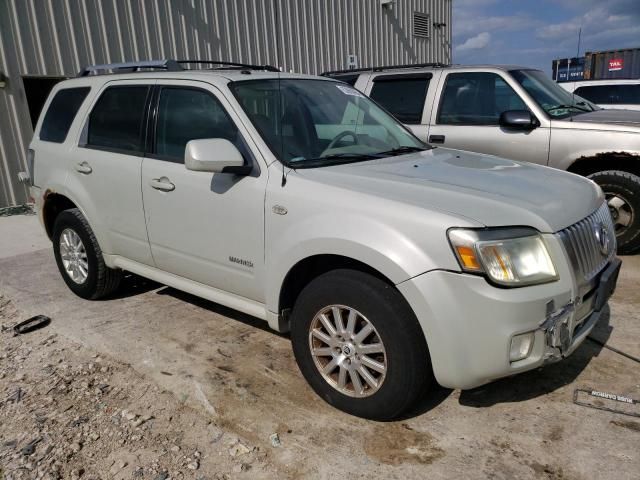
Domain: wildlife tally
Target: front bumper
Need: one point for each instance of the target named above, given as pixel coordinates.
(469, 324)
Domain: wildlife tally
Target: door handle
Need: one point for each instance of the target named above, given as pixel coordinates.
(84, 167)
(162, 184)
(436, 139)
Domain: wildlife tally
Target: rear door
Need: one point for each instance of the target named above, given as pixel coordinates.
(467, 113)
(207, 227)
(407, 96)
(104, 173)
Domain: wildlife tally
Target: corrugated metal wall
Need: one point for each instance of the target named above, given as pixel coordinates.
(59, 37)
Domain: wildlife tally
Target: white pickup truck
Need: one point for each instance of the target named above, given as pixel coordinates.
(518, 113)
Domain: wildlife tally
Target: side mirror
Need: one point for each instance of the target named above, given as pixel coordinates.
(518, 120)
(216, 155)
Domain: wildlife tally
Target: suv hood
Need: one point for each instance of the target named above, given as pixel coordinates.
(490, 190)
(623, 118)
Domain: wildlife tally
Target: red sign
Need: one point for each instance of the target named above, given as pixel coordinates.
(616, 64)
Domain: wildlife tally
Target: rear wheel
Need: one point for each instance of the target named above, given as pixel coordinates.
(79, 257)
(359, 345)
(622, 191)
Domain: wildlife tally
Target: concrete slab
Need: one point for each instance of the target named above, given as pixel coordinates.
(243, 375)
(21, 234)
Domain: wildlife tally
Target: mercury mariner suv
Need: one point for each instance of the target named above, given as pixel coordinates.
(298, 200)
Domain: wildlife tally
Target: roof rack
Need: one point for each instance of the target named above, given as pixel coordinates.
(168, 65)
(125, 67)
(230, 65)
(384, 67)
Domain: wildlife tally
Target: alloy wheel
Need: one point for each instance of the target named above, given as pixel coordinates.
(621, 212)
(347, 351)
(74, 256)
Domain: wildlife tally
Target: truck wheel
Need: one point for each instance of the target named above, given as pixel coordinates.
(79, 257)
(359, 345)
(622, 191)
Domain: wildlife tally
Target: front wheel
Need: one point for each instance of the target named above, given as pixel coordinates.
(359, 345)
(622, 191)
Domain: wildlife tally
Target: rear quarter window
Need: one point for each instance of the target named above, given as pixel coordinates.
(61, 112)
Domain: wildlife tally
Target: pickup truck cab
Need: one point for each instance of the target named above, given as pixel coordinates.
(517, 113)
(298, 200)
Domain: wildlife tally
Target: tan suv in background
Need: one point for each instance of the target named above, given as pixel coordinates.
(519, 113)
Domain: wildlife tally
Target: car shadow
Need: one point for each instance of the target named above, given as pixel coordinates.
(132, 285)
(220, 310)
(544, 380)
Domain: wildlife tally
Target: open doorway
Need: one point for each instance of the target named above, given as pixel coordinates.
(37, 90)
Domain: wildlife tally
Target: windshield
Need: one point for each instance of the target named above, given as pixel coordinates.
(555, 100)
(314, 123)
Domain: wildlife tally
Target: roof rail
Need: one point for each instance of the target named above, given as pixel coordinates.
(222, 65)
(169, 65)
(384, 67)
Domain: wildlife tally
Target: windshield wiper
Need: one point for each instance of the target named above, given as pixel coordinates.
(402, 150)
(561, 107)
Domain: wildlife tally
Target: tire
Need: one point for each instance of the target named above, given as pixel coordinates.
(622, 190)
(408, 372)
(100, 280)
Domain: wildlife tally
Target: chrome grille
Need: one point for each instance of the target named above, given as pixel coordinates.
(583, 246)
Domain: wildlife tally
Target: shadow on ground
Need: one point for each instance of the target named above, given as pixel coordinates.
(133, 285)
(220, 310)
(541, 381)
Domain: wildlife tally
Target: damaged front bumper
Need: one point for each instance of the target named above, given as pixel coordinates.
(563, 331)
(471, 326)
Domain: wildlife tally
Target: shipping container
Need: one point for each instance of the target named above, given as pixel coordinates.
(624, 63)
(568, 69)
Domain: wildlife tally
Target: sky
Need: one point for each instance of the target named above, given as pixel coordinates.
(534, 32)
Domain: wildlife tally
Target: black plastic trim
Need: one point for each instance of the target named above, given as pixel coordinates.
(398, 77)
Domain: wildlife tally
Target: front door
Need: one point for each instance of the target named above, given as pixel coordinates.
(207, 227)
(468, 113)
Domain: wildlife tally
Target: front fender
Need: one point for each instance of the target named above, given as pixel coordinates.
(571, 145)
(373, 242)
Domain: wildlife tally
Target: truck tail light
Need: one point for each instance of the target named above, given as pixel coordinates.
(31, 163)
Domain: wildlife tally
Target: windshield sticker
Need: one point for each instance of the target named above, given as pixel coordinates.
(349, 91)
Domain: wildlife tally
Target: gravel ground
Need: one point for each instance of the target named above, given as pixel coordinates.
(68, 412)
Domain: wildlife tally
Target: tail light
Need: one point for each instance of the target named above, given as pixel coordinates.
(31, 163)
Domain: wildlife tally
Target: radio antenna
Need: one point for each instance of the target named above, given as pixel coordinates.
(573, 90)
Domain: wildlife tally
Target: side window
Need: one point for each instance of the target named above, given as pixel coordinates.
(350, 78)
(402, 95)
(594, 94)
(116, 120)
(611, 94)
(188, 114)
(476, 98)
(62, 110)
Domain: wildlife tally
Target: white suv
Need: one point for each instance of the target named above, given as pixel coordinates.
(298, 200)
(612, 93)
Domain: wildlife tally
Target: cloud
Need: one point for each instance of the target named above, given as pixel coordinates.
(478, 42)
(616, 20)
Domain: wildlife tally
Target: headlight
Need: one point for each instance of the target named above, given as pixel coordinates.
(511, 257)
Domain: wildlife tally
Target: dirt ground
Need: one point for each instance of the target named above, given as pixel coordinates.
(158, 384)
